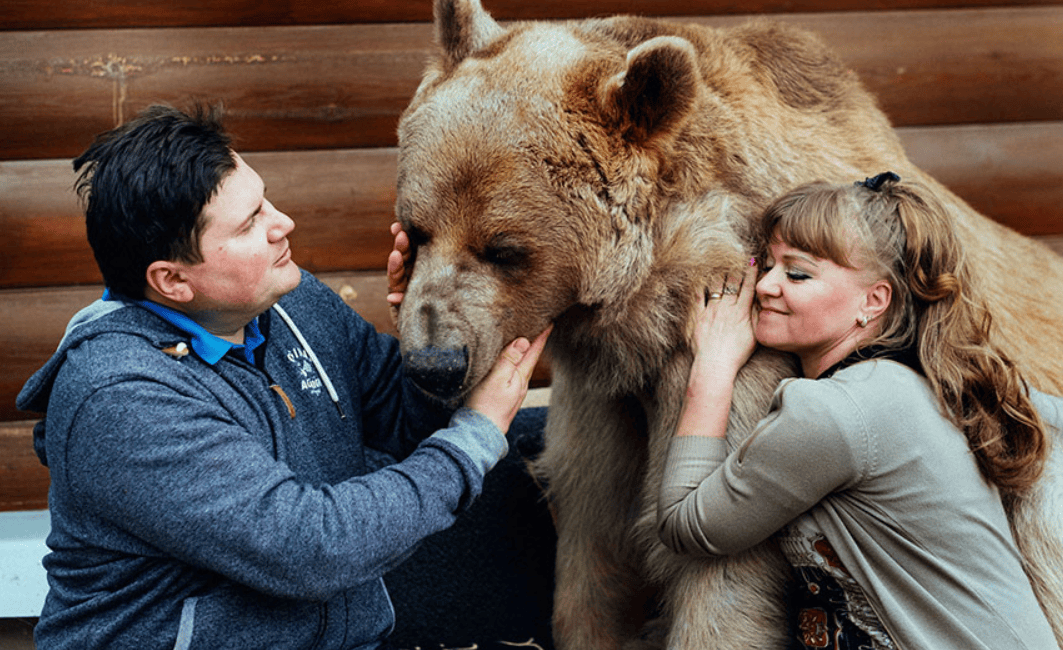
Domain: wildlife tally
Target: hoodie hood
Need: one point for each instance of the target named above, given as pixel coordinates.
(85, 324)
(124, 317)
(100, 317)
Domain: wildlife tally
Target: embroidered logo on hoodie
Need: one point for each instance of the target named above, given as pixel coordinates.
(309, 379)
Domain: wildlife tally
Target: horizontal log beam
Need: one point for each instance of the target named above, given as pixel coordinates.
(342, 201)
(1009, 172)
(69, 14)
(23, 480)
(344, 86)
(32, 323)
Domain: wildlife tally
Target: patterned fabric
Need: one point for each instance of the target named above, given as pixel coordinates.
(831, 609)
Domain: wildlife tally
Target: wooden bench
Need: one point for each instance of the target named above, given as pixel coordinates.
(313, 94)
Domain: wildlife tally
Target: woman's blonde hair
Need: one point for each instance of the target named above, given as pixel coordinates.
(900, 232)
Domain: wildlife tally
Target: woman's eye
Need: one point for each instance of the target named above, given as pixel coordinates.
(797, 276)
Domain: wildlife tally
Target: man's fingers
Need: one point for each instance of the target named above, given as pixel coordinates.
(396, 273)
(394, 263)
(396, 266)
(514, 352)
(533, 352)
(402, 240)
(524, 354)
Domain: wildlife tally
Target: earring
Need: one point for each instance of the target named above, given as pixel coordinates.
(862, 321)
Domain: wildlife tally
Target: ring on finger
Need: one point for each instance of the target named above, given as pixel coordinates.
(730, 291)
(715, 295)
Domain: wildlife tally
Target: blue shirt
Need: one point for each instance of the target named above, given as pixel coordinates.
(209, 347)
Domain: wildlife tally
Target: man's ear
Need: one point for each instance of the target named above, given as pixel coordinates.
(878, 299)
(168, 280)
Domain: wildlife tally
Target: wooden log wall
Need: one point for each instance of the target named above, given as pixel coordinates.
(313, 93)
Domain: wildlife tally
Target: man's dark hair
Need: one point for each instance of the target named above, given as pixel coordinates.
(144, 186)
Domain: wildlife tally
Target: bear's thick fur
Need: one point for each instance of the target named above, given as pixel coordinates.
(597, 175)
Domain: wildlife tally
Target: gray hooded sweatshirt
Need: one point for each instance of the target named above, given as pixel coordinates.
(233, 504)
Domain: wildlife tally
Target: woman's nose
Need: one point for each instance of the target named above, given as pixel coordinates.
(768, 284)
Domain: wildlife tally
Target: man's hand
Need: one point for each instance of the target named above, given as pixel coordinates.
(502, 391)
(397, 277)
(397, 261)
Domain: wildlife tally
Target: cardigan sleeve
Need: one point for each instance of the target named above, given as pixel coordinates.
(814, 441)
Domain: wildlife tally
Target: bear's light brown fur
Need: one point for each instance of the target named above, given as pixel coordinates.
(597, 175)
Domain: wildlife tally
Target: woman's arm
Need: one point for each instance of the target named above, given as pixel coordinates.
(715, 502)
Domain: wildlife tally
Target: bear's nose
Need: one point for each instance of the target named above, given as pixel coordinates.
(438, 371)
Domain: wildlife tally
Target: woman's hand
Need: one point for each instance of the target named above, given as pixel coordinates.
(500, 394)
(723, 337)
(723, 342)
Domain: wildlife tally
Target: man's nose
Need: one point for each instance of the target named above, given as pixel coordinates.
(281, 224)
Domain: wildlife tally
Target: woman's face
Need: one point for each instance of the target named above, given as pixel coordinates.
(812, 306)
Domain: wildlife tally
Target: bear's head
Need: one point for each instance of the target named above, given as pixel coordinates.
(528, 164)
(596, 174)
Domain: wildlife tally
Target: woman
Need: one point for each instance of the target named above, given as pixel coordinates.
(884, 469)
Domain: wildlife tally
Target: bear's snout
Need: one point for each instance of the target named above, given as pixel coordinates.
(438, 371)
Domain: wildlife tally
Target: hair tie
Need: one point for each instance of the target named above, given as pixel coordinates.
(875, 184)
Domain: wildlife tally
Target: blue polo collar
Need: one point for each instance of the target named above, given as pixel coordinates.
(209, 347)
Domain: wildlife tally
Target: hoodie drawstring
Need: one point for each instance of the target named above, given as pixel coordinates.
(313, 358)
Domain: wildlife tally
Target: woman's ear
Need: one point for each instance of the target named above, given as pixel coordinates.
(167, 280)
(878, 298)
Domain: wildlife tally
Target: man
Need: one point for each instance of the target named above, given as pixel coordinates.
(208, 421)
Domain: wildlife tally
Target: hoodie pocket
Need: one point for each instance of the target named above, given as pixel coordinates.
(240, 619)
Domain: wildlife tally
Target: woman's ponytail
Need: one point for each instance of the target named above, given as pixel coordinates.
(976, 383)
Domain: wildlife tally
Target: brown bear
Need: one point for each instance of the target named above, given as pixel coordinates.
(596, 175)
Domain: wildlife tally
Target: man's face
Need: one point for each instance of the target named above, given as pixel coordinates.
(247, 262)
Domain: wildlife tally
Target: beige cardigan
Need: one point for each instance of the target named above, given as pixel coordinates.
(871, 462)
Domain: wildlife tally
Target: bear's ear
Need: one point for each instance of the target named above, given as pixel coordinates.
(462, 27)
(656, 92)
